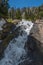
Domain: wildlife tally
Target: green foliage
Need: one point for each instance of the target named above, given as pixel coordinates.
(9, 20)
(18, 14)
(41, 14)
(11, 13)
(4, 8)
(26, 15)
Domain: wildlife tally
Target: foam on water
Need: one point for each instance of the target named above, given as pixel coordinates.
(15, 49)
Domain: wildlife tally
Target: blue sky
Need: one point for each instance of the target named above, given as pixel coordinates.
(25, 3)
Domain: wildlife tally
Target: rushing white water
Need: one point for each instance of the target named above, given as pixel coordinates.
(15, 49)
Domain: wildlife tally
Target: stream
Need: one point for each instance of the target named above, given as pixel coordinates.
(15, 53)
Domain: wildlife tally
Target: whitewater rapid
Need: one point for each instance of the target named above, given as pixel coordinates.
(15, 52)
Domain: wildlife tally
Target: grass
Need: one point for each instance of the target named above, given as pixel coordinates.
(9, 20)
(15, 21)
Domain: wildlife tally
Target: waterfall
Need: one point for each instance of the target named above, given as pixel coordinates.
(15, 52)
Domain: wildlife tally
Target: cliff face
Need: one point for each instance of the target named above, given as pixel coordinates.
(37, 32)
(34, 44)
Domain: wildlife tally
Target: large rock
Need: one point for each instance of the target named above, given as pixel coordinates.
(2, 22)
(34, 44)
(37, 33)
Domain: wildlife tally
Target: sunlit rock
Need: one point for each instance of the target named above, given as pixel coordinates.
(2, 22)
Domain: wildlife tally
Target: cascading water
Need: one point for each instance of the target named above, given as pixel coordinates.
(15, 52)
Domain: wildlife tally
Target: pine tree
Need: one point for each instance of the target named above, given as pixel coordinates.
(4, 8)
(18, 14)
(26, 15)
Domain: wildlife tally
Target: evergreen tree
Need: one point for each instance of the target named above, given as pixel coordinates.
(4, 8)
(26, 15)
(18, 14)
